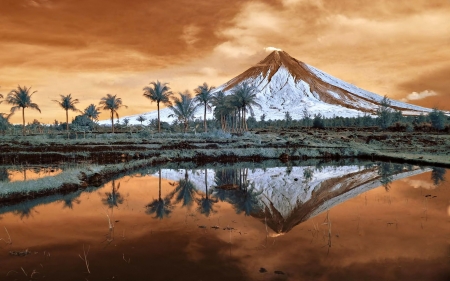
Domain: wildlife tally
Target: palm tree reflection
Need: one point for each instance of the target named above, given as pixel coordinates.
(160, 207)
(438, 175)
(206, 203)
(184, 192)
(113, 198)
(244, 199)
(4, 174)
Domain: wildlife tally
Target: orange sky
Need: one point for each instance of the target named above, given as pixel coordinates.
(93, 47)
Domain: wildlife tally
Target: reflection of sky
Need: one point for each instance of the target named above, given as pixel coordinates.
(388, 235)
(31, 174)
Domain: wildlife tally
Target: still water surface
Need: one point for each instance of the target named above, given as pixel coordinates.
(361, 221)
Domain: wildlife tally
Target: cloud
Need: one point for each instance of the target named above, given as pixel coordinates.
(271, 49)
(190, 34)
(419, 96)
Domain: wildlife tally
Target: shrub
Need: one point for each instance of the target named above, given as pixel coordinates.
(437, 119)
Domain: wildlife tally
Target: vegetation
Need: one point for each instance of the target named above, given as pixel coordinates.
(67, 103)
(204, 97)
(92, 112)
(20, 98)
(384, 113)
(184, 108)
(158, 92)
(112, 103)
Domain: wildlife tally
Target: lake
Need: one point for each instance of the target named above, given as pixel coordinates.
(352, 220)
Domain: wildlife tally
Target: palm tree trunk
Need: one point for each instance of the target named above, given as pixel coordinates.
(206, 182)
(159, 183)
(204, 119)
(159, 122)
(23, 120)
(67, 121)
(112, 121)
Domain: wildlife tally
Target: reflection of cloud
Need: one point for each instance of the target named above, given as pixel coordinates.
(419, 96)
(38, 3)
(419, 184)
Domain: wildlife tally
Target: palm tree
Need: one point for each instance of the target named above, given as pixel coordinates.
(161, 207)
(92, 112)
(204, 96)
(67, 103)
(158, 92)
(245, 97)
(21, 98)
(111, 103)
(184, 108)
(141, 119)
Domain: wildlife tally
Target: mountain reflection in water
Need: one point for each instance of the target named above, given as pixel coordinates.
(341, 221)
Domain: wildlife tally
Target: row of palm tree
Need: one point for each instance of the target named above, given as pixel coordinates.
(230, 110)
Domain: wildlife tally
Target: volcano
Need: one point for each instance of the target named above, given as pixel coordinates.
(285, 84)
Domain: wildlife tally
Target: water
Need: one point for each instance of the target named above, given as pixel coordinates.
(269, 221)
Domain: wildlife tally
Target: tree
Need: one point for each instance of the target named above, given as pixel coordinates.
(92, 112)
(306, 116)
(222, 108)
(111, 103)
(437, 119)
(158, 92)
(20, 98)
(4, 122)
(204, 96)
(384, 113)
(318, 121)
(244, 96)
(67, 103)
(141, 119)
(184, 108)
(287, 118)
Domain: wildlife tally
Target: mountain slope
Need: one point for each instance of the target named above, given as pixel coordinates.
(285, 84)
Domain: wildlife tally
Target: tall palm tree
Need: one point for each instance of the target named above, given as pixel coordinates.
(92, 112)
(245, 95)
(67, 103)
(158, 92)
(112, 103)
(21, 98)
(204, 96)
(161, 207)
(184, 108)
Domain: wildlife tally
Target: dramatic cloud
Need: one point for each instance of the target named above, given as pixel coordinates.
(91, 48)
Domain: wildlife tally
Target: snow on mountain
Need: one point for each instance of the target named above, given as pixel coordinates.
(306, 191)
(285, 84)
